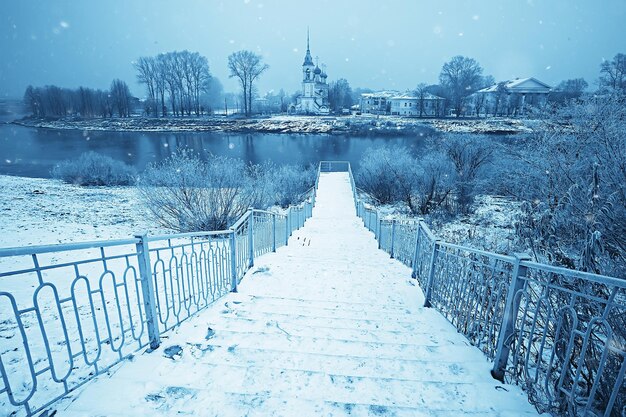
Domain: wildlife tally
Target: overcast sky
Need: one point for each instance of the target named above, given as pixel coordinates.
(376, 44)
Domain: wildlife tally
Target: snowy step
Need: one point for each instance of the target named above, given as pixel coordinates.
(343, 365)
(337, 310)
(443, 350)
(387, 392)
(347, 333)
(328, 320)
(368, 318)
(265, 405)
(343, 304)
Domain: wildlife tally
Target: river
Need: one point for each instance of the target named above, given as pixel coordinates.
(33, 152)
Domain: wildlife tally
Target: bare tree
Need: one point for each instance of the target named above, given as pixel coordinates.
(461, 77)
(613, 74)
(339, 95)
(247, 67)
(120, 97)
(147, 74)
(421, 92)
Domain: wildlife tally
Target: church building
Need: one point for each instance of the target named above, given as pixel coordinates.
(314, 98)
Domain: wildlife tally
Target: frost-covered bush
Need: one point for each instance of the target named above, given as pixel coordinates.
(291, 182)
(185, 193)
(469, 155)
(388, 173)
(573, 182)
(93, 169)
(434, 188)
(440, 180)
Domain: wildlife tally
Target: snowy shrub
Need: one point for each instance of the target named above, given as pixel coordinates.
(93, 169)
(434, 189)
(388, 173)
(573, 180)
(185, 193)
(469, 154)
(291, 182)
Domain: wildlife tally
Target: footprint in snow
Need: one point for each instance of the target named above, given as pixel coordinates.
(173, 352)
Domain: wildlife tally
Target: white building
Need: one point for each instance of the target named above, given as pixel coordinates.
(378, 102)
(508, 98)
(314, 98)
(409, 105)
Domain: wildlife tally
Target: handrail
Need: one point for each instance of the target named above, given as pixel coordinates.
(57, 247)
(546, 328)
(122, 294)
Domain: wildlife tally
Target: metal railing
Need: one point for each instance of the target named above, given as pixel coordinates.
(558, 333)
(70, 312)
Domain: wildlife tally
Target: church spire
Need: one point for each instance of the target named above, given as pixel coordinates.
(308, 60)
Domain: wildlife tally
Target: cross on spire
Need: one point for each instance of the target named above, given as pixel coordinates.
(307, 38)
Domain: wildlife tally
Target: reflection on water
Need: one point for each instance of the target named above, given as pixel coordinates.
(33, 152)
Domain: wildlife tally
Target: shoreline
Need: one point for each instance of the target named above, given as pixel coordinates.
(341, 125)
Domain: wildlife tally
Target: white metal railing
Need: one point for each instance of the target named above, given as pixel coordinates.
(69, 312)
(559, 333)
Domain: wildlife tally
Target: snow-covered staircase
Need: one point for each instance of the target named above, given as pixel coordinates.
(328, 325)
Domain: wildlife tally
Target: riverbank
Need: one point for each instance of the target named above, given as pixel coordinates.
(345, 125)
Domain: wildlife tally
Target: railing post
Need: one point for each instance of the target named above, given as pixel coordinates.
(147, 290)
(287, 228)
(393, 236)
(273, 233)
(289, 220)
(233, 261)
(507, 327)
(378, 237)
(417, 248)
(251, 236)
(431, 273)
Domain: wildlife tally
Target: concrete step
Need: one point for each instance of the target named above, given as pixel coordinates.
(386, 392)
(425, 369)
(347, 333)
(425, 349)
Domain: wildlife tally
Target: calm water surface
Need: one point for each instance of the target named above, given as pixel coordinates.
(33, 152)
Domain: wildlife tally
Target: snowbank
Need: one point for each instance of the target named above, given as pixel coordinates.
(43, 211)
(347, 125)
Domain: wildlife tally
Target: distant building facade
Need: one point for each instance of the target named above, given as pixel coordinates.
(378, 102)
(314, 98)
(509, 98)
(410, 105)
(400, 104)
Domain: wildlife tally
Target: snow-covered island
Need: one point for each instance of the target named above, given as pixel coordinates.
(290, 124)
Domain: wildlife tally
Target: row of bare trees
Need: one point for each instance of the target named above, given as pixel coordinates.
(175, 79)
(53, 101)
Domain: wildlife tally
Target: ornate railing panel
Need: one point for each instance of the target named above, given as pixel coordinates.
(568, 348)
(76, 310)
(559, 333)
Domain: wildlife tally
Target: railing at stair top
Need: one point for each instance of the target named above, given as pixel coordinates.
(70, 312)
(338, 166)
(559, 333)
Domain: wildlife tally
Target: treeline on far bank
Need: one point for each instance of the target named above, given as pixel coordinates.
(53, 101)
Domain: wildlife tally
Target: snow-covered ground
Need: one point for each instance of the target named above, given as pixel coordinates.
(490, 226)
(357, 125)
(329, 325)
(44, 211)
